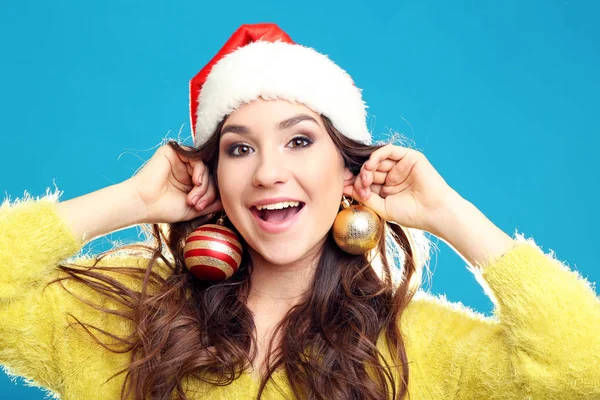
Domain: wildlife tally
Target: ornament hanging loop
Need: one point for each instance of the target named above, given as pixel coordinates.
(221, 220)
(346, 202)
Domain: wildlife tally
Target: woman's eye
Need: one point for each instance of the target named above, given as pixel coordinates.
(239, 150)
(300, 141)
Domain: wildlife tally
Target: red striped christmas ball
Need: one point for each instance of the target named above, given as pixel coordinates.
(212, 252)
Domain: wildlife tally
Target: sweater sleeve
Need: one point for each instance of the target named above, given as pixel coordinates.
(543, 341)
(549, 316)
(33, 240)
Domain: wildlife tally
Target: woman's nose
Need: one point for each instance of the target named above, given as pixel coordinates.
(270, 170)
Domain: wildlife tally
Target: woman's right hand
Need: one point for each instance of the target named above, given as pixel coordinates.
(173, 188)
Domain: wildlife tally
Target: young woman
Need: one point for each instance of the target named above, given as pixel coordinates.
(297, 306)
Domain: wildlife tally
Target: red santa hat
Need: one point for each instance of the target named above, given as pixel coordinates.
(262, 61)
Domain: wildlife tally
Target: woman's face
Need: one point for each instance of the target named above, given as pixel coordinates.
(278, 155)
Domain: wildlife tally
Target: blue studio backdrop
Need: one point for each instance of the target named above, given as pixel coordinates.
(501, 96)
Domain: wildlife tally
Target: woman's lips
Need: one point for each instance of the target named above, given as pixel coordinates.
(276, 226)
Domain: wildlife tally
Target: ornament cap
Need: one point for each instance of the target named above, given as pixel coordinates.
(346, 203)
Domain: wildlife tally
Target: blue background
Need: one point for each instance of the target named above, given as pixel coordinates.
(502, 97)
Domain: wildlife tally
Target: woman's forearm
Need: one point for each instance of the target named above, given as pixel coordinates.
(101, 212)
(471, 233)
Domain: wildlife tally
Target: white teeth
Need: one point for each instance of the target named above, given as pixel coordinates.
(279, 206)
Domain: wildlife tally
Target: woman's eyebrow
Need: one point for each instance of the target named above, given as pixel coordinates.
(288, 123)
(241, 129)
(285, 124)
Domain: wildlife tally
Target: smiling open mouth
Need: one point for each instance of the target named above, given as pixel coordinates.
(277, 216)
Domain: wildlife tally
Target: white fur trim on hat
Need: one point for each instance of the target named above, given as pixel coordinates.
(278, 70)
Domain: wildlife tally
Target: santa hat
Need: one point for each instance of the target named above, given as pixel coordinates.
(262, 61)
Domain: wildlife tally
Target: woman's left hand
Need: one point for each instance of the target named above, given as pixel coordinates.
(402, 186)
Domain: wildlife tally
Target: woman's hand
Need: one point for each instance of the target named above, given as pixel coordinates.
(173, 188)
(402, 186)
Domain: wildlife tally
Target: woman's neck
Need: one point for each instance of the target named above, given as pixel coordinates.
(279, 287)
(274, 290)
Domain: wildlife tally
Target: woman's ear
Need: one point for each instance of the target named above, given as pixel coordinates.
(347, 174)
(347, 177)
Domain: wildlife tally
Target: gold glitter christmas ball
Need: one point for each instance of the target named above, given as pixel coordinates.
(357, 229)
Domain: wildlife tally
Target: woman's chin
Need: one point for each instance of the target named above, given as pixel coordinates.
(278, 255)
(278, 258)
(285, 252)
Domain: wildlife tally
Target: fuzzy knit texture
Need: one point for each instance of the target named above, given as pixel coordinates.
(543, 341)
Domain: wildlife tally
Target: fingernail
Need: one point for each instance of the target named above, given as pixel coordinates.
(202, 205)
(363, 193)
(195, 199)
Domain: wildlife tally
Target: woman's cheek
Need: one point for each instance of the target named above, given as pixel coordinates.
(228, 186)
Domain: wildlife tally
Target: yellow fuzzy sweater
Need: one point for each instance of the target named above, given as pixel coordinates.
(543, 342)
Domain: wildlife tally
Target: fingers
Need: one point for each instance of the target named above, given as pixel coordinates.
(366, 180)
(402, 170)
(361, 186)
(203, 196)
(383, 191)
(208, 198)
(390, 171)
(194, 167)
(376, 177)
(389, 151)
(379, 174)
(198, 169)
(198, 192)
(384, 173)
(213, 207)
(383, 166)
(376, 203)
(189, 178)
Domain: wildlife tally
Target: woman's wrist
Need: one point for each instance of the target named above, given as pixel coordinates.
(472, 235)
(136, 207)
(103, 211)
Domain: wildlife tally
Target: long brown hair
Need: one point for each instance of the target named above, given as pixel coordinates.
(185, 328)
